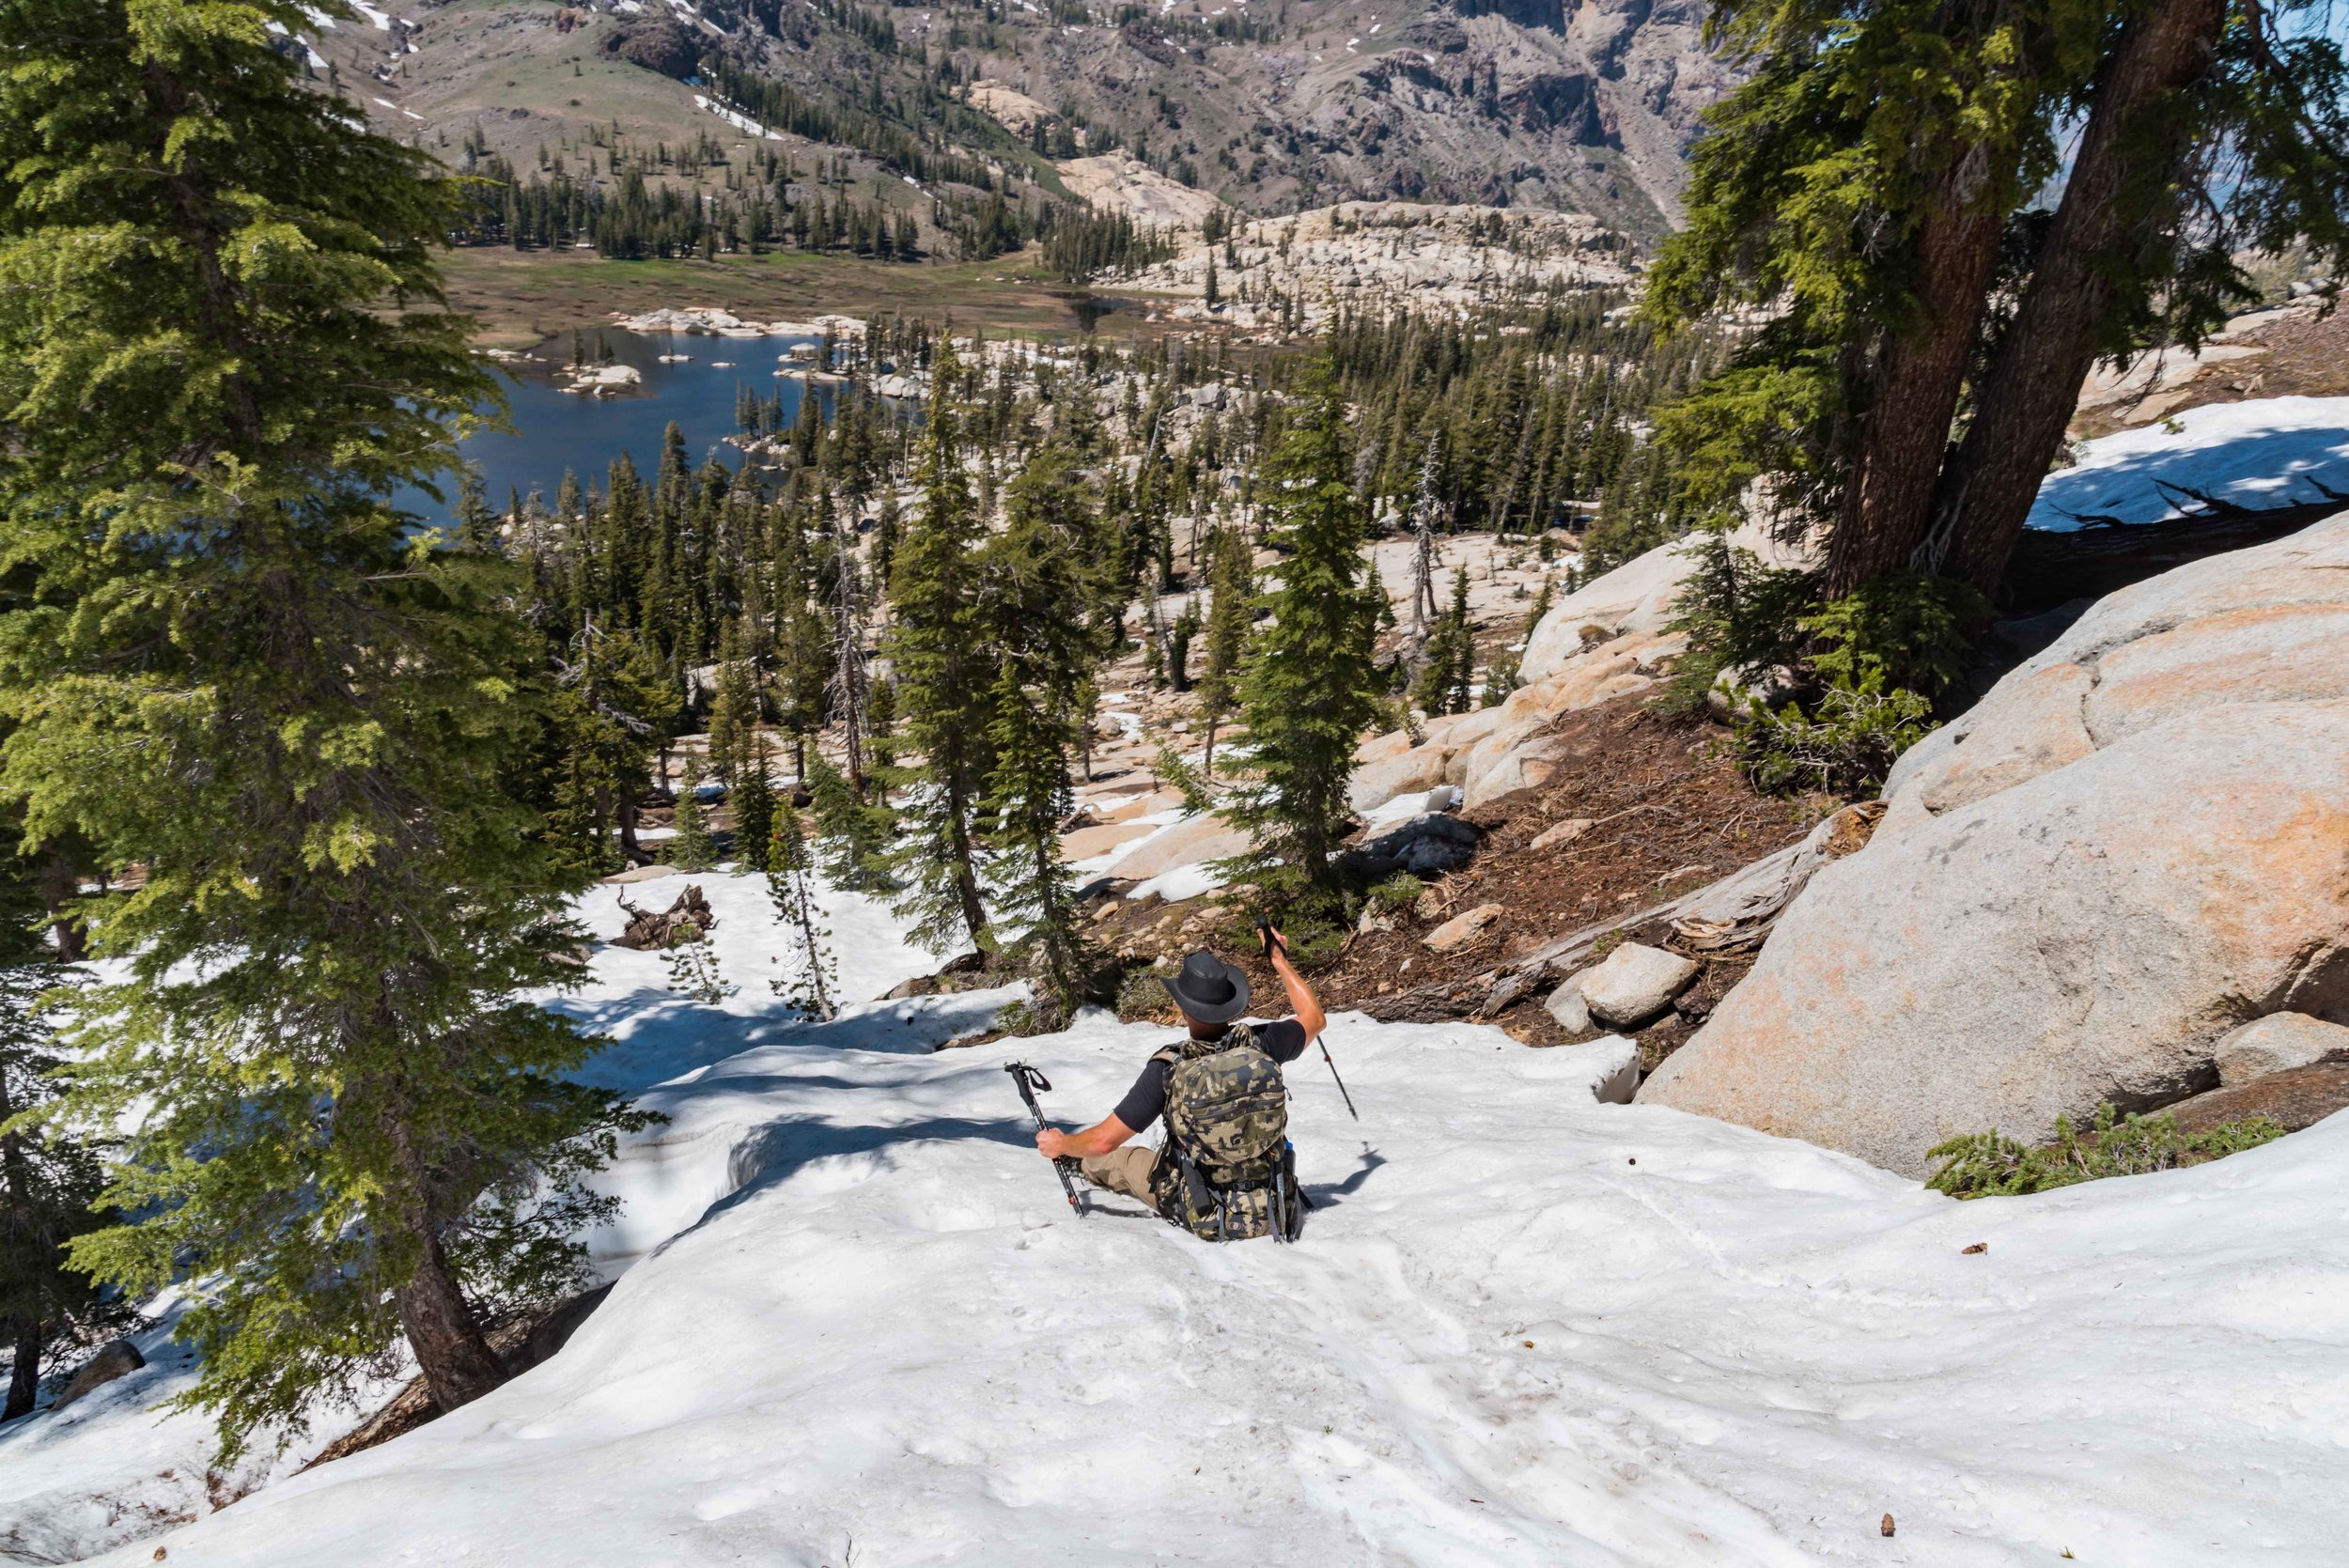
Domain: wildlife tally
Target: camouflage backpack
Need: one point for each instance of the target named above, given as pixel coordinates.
(1227, 1173)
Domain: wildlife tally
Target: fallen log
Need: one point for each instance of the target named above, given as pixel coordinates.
(657, 933)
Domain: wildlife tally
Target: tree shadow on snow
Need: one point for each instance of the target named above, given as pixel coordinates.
(1326, 1197)
(2130, 485)
(657, 1034)
(770, 1153)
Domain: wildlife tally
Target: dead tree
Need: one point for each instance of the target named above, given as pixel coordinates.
(850, 696)
(648, 932)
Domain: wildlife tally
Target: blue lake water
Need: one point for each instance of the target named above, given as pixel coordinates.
(554, 431)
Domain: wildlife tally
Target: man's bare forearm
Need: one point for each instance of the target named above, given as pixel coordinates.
(1301, 999)
(1098, 1138)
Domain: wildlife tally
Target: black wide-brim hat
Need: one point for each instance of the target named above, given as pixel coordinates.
(1208, 989)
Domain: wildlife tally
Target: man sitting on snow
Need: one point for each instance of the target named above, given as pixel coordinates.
(1226, 1169)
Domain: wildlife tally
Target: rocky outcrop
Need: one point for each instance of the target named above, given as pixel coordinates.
(1407, 772)
(1604, 640)
(2277, 1043)
(1429, 845)
(1389, 256)
(1464, 931)
(657, 44)
(2135, 843)
(115, 1358)
(1190, 842)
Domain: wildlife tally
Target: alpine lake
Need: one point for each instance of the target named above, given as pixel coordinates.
(690, 379)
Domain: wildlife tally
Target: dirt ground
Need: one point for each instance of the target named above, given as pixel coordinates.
(517, 299)
(2304, 355)
(1670, 813)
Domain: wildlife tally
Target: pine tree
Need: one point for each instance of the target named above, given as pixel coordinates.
(243, 670)
(1229, 608)
(733, 713)
(1872, 184)
(1028, 797)
(692, 962)
(1035, 613)
(752, 799)
(1313, 686)
(808, 982)
(1448, 677)
(50, 1180)
(943, 681)
(853, 833)
(476, 525)
(609, 708)
(690, 847)
(2150, 237)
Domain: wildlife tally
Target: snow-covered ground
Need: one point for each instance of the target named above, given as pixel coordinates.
(861, 1326)
(2258, 453)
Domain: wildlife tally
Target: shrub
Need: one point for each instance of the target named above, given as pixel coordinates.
(691, 848)
(1400, 890)
(1845, 743)
(1312, 942)
(1139, 996)
(1022, 1019)
(1992, 1165)
(1906, 631)
(1738, 616)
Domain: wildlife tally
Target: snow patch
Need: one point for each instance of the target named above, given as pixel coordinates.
(736, 118)
(2262, 453)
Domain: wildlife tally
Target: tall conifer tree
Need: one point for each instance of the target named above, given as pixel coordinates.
(247, 672)
(943, 682)
(1313, 686)
(1230, 605)
(1038, 590)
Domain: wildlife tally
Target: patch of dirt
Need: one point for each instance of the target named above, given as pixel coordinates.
(1670, 813)
(2302, 354)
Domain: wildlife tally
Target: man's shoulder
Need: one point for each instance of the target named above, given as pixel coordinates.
(1283, 1039)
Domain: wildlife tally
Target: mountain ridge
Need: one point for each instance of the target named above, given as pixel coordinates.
(1303, 103)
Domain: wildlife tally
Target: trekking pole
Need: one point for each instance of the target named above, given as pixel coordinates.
(1030, 1081)
(1265, 934)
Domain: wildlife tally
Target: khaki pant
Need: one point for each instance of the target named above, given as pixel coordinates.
(1126, 1170)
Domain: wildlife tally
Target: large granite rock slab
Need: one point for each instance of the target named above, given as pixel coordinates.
(2135, 843)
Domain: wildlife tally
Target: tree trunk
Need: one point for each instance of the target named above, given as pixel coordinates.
(455, 1356)
(1908, 431)
(457, 1363)
(630, 848)
(25, 1332)
(966, 880)
(60, 884)
(2119, 194)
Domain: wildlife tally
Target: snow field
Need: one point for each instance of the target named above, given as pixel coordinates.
(1521, 1329)
(2258, 453)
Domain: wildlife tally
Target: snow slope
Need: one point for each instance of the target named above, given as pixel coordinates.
(861, 1326)
(111, 1469)
(1522, 1328)
(2258, 453)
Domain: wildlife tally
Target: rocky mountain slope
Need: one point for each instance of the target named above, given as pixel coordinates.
(1508, 102)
